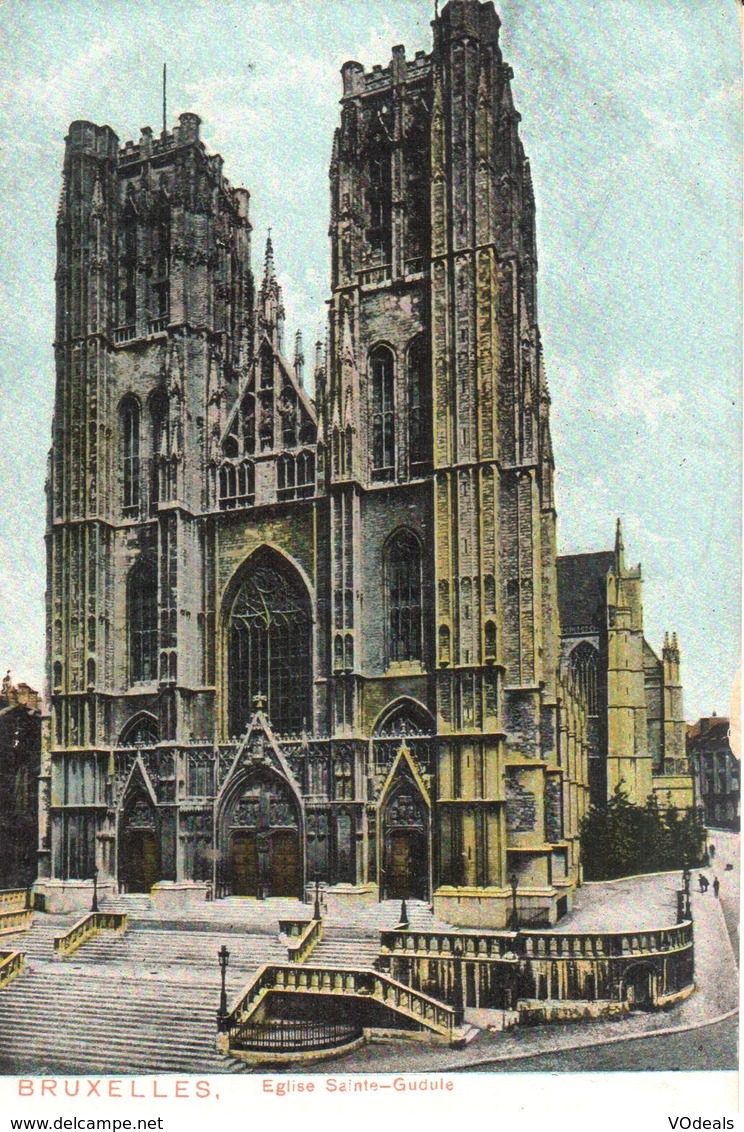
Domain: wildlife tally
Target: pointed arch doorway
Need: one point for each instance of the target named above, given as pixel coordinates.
(139, 844)
(405, 839)
(260, 832)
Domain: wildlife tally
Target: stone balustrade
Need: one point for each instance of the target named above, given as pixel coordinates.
(14, 899)
(421, 1009)
(19, 920)
(11, 964)
(304, 935)
(85, 929)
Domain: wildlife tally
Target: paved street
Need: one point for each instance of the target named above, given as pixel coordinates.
(712, 1048)
(727, 852)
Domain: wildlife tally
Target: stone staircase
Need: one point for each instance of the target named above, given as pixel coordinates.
(145, 1001)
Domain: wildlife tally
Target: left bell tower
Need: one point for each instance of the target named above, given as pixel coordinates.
(154, 336)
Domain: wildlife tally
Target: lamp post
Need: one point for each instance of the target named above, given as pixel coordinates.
(94, 902)
(459, 998)
(223, 955)
(316, 908)
(403, 922)
(514, 881)
(686, 877)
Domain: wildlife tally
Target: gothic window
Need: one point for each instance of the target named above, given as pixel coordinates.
(128, 313)
(161, 254)
(249, 423)
(380, 201)
(286, 471)
(584, 662)
(343, 781)
(419, 406)
(289, 413)
(305, 474)
(417, 163)
(142, 619)
(382, 366)
(159, 432)
(406, 718)
(78, 845)
(403, 586)
(130, 426)
(237, 485)
(142, 731)
(270, 647)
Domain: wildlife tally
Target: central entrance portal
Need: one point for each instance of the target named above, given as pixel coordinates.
(260, 836)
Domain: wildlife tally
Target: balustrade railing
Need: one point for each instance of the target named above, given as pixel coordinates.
(11, 964)
(156, 325)
(379, 274)
(449, 945)
(91, 925)
(535, 944)
(274, 978)
(14, 899)
(304, 935)
(124, 334)
(16, 921)
(283, 1036)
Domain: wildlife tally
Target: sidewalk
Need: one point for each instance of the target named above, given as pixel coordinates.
(641, 899)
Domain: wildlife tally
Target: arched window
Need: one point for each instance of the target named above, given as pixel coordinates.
(380, 201)
(286, 473)
(128, 312)
(161, 248)
(142, 619)
(584, 661)
(159, 432)
(419, 406)
(130, 428)
(142, 731)
(269, 647)
(382, 365)
(403, 584)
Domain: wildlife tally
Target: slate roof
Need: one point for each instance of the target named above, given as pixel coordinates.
(581, 589)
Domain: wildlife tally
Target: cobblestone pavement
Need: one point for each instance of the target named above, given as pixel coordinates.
(643, 903)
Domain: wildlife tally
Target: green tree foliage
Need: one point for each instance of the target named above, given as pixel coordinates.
(621, 839)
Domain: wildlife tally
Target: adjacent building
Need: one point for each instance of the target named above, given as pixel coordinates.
(715, 770)
(20, 759)
(635, 718)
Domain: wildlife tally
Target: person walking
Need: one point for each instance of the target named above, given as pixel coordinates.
(703, 882)
(716, 887)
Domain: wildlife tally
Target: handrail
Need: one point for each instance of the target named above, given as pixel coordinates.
(11, 964)
(85, 929)
(14, 899)
(303, 943)
(355, 982)
(16, 920)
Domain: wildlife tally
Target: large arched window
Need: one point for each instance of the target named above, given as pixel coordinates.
(380, 200)
(130, 427)
(419, 406)
(161, 254)
(382, 365)
(142, 620)
(403, 585)
(128, 310)
(584, 661)
(270, 647)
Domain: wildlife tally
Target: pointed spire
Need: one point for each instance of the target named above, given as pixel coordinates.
(619, 548)
(269, 269)
(299, 359)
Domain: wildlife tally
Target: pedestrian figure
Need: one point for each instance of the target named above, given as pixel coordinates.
(716, 887)
(711, 851)
(728, 868)
(703, 882)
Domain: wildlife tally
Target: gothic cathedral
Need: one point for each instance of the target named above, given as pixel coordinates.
(294, 635)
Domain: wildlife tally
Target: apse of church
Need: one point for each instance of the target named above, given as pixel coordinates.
(296, 638)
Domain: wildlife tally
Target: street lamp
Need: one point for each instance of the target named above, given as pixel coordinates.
(403, 922)
(514, 881)
(94, 902)
(223, 955)
(316, 908)
(459, 1003)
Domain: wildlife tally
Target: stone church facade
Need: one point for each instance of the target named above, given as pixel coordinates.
(290, 637)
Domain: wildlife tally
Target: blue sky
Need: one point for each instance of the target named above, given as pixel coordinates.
(631, 119)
